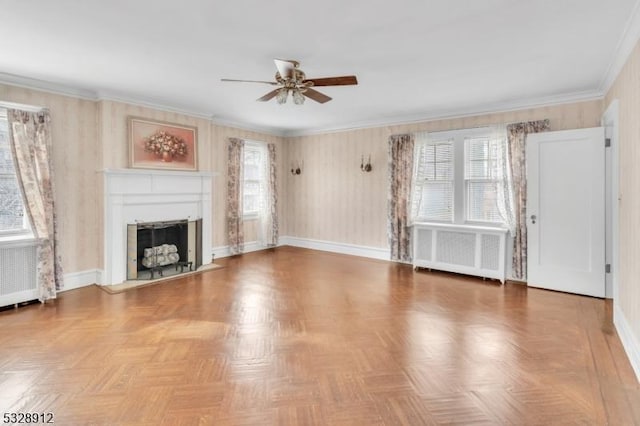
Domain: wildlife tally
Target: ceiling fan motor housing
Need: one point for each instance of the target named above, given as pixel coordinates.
(292, 79)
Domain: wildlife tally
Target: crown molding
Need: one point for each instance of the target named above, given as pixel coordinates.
(110, 96)
(47, 86)
(148, 103)
(91, 95)
(623, 50)
(96, 96)
(548, 101)
(240, 125)
(23, 107)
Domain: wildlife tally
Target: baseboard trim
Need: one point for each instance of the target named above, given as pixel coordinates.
(223, 251)
(629, 340)
(81, 279)
(330, 246)
(342, 248)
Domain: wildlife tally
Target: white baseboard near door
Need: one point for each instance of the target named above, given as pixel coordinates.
(342, 248)
(629, 340)
(80, 279)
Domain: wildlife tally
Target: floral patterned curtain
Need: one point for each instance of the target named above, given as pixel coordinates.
(504, 189)
(272, 230)
(516, 154)
(30, 140)
(234, 196)
(400, 177)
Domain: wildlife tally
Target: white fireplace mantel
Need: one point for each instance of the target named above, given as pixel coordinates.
(134, 195)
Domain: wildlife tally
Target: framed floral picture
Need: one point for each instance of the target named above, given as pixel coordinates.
(160, 145)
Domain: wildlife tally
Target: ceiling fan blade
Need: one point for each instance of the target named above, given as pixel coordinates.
(346, 80)
(285, 67)
(273, 83)
(316, 96)
(268, 96)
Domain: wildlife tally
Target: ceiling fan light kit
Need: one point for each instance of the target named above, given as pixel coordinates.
(282, 95)
(292, 79)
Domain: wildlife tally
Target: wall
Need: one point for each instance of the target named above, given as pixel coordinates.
(627, 90)
(75, 156)
(89, 136)
(212, 152)
(332, 200)
(219, 137)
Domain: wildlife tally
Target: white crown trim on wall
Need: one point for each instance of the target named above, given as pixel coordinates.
(248, 127)
(548, 101)
(623, 50)
(47, 86)
(97, 96)
(64, 90)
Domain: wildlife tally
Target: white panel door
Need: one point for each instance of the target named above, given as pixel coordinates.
(566, 211)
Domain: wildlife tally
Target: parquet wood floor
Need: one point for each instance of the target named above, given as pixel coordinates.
(298, 337)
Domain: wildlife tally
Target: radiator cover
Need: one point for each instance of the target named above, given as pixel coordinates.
(18, 269)
(465, 249)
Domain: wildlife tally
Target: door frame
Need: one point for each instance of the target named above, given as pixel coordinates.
(610, 121)
(558, 277)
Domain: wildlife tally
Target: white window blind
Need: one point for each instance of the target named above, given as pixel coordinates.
(482, 176)
(12, 214)
(432, 197)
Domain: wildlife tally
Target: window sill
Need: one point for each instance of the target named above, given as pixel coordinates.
(250, 216)
(497, 225)
(433, 221)
(17, 240)
(460, 226)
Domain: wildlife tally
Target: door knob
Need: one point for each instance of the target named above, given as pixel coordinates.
(533, 218)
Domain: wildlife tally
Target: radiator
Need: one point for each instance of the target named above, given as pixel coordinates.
(18, 268)
(465, 249)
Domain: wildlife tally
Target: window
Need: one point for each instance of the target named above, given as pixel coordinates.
(433, 194)
(482, 176)
(457, 176)
(254, 186)
(13, 220)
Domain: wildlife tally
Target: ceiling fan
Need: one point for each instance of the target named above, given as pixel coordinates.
(291, 79)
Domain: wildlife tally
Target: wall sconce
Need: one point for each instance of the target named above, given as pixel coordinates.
(366, 167)
(296, 170)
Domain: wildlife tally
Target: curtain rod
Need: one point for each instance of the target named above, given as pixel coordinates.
(23, 107)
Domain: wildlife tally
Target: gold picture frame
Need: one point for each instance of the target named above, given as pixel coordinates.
(160, 145)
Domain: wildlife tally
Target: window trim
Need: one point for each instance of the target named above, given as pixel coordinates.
(452, 181)
(254, 145)
(460, 193)
(25, 233)
(500, 224)
(483, 180)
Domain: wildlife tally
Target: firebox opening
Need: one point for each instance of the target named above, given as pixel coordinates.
(161, 249)
(163, 244)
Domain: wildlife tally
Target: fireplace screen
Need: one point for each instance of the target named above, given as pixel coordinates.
(161, 249)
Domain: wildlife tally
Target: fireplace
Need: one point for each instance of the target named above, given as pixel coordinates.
(142, 197)
(163, 248)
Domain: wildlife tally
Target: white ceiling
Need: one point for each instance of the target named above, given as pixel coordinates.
(413, 59)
